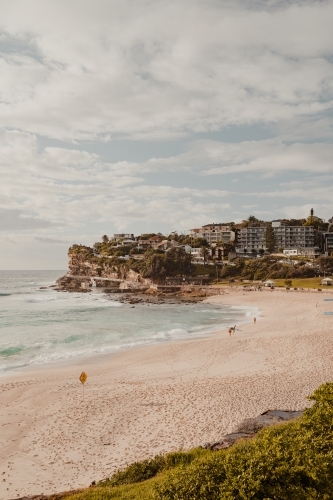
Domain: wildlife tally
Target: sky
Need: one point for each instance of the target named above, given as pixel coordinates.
(159, 115)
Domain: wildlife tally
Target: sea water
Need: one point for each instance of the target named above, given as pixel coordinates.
(42, 325)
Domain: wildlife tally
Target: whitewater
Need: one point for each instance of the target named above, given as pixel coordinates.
(40, 326)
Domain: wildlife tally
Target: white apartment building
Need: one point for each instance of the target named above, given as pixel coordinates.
(296, 238)
(327, 242)
(251, 239)
(214, 233)
(123, 236)
(288, 237)
(309, 252)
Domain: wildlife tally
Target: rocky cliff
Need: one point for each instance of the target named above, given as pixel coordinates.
(86, 269)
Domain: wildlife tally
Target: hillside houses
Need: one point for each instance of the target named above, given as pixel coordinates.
(214, 233)
(252, 238)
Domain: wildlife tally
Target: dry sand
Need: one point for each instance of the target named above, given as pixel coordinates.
(160, 398)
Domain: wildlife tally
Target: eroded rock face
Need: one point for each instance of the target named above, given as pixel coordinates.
(84, 266)
(70, 284)
(79, 265)
(250, 426)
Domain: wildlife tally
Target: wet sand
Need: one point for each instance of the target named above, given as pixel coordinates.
(162, 397)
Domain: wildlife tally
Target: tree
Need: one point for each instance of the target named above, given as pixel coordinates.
(325, 264)
(270, 238)
(105, 239)
(199, 242)
(146, 236)
(158, 264)
(204, 253)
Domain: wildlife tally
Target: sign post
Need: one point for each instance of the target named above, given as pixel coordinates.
(83, 377)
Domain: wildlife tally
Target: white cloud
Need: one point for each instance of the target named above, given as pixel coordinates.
(51, 241)
(298, 211)
(143, 69)
(58, 186)
(14, 220)
(105, 70)
(68, 188)
(270, 156)
(22, 251)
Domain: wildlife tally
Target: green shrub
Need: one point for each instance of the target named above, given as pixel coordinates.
(199, 481)
(288, 461)
(141, 471)
(136, 472)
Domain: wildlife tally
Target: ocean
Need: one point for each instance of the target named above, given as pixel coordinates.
(42, 326)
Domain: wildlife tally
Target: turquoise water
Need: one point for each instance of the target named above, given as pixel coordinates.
(43, 326)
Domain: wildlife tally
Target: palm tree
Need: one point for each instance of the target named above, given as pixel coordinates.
(204, 253)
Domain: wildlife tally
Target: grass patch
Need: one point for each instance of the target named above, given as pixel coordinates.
(201, 269)
(304, 283)
(141, 491)
(312, 283)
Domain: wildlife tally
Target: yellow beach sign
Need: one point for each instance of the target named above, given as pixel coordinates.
(83, 377)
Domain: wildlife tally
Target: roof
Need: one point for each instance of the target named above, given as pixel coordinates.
(162, 243)
(217, 224)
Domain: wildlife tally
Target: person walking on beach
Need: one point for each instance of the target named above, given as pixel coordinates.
(254, 320)
(230, 332)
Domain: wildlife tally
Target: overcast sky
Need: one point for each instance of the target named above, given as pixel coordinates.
(146, 116)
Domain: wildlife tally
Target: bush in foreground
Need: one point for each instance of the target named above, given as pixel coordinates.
(291, 461)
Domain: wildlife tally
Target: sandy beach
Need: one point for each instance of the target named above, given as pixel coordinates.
(163, 397)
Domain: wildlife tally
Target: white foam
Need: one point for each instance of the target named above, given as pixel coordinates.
(178, 331)
(42, 299)
(43, 320)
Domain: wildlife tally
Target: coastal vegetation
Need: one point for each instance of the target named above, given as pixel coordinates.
(290, 460)
(158, 264)
(274, 268)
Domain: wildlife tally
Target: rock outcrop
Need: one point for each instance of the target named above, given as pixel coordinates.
(87, 269)
(250, 426)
